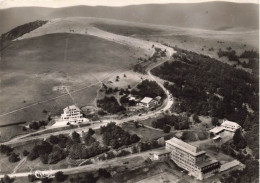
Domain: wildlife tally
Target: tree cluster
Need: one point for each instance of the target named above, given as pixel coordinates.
(231, 55)
(110, 105)
(116, 137)
(148, 89)
(179, 122)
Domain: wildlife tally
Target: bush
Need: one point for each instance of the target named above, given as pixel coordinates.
(13, 158)
(4, 149)
(166, 129)
(32, 178)
(25, 153)
(103, 173)
(7, 179)
(60, 177)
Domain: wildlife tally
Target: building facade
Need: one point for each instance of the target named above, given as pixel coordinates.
(192, 159)
(72, 114)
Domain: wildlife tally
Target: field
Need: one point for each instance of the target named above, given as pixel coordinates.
(73, 60)
(146, 134)
(201, 41)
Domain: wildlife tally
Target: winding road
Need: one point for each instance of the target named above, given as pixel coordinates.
(165, 106)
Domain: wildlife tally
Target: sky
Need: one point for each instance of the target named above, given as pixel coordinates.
(64, 3)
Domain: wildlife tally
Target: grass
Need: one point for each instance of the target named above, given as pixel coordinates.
(126, 30)
(30, 69)
(146, 134)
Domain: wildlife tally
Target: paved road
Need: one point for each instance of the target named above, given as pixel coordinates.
(166, 106)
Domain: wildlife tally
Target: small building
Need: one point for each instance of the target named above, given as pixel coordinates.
(145, 101)
(132, 98)
(230, 126)
(217, 138)
(161, 155)
(217, 130)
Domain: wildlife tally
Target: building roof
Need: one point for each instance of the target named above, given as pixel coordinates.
(206, 163)
(161, 152)
(132, 98)
(195, 151)
(158, 98)
(230, 123)
(146, 100)
(217, 129)
(71, 107)
(217, 137)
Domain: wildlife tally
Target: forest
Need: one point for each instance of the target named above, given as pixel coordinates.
(205, 86)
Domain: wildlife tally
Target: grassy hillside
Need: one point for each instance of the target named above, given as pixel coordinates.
(209, 15)
(31, 68)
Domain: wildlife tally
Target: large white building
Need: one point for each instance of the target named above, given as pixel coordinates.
(192, 159)
(71, 115)
(230, 126)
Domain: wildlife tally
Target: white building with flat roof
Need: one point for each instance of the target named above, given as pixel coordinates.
(230, 125)
(217, 130)
(146, 101)
(192, 159)
(71, 115)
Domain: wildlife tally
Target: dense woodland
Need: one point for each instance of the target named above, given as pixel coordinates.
(21, 30)
(205, 86)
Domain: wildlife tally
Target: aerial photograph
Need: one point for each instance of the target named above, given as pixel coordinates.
(129, 91)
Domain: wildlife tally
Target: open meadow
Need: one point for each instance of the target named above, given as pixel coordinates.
(75, 61)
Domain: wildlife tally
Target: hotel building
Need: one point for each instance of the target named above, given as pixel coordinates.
(192, 159)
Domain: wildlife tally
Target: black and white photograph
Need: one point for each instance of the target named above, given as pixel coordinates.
(129, 91)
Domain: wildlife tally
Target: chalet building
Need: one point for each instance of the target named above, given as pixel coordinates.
(150, 102)
(192, 159)
(230, 126)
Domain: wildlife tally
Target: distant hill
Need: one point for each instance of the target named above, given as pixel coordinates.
(208, 15)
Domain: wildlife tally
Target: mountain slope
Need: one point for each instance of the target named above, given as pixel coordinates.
(209, 15)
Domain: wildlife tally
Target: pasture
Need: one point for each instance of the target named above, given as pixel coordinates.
(30, 68)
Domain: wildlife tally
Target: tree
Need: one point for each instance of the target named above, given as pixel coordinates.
(7, 179)
(5, 149)
(25, 153)
(54, 139)
(60, 177)
(76, 137)
(196, 118)
(13, 157)
(214, 121)
(134, 138)
(166, 129)
(91, 131)
(56, 155)
(32, 178)
(89, 178)
(34, 125)
(103, 173)
(238, 139)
